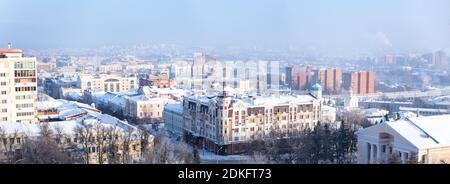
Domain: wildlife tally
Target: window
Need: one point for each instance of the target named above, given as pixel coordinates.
(25, 113)
(21, 80)
(24, 73)
(24, 97)
(27, 105)
(4, 118)
(383, 148)
(390, 150)
(24, 65)
(4, 110)
(27, 88)
(2, 74)
(2, 83)
(3, 92)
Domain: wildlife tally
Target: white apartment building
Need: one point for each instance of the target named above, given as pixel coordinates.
(145, 109)
(419, 139)
(108, 83)
(18, 87)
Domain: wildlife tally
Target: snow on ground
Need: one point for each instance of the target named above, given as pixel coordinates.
(210, 157)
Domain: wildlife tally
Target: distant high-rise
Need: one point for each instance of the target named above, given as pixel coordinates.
(371, 82)
(18, 87)
(299, 81)
(440, 59)
(437, 59)
(389, 59)
(330, 78)
(320, 76)
(309, 77)
(289, 80)
(337, 80)
(361, 82)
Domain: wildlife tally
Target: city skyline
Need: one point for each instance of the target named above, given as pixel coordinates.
(334, 27)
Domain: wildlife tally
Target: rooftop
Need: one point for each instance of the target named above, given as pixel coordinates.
(423, 132)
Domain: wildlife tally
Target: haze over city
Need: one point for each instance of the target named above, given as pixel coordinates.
(329, 26)
(224, 81)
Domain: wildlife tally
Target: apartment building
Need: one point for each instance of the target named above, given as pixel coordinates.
(228, 123)
(18, 87)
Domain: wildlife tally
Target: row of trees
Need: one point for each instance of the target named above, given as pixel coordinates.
(322, 144)
(52, 146)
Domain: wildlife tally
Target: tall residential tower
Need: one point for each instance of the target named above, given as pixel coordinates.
(18, 87)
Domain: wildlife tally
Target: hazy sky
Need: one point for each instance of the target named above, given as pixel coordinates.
(395, 25)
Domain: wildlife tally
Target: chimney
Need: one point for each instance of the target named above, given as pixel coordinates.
(9, 45)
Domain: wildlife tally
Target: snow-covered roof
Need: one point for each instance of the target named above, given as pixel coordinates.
(423, 132)
(442, 100)
(13, 127)
(372, 112)
(259, 101)
(413, 109)
(174, 108)
(67, 127)
(283, 99)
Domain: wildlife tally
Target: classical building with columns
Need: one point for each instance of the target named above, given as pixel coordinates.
(419, 140)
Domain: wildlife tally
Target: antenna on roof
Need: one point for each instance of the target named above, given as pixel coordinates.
(9, 45)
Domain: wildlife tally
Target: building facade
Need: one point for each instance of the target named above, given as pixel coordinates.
(409, 140)
(108, 83)
(226, 124)
(18, 87)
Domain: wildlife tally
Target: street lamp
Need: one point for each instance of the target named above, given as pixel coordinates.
(217, 154)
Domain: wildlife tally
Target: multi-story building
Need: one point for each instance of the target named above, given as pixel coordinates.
(289, 76)
(18, 87)
(145, 109)
(410, 140)
(80, 130)
(109, 68)
(362, 82)
(228, 123)
(173, 118)
(108, 83)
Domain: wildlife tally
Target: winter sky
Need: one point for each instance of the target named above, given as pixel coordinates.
(399, 25)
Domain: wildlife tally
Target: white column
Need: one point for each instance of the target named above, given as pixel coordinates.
(378, 153)
(371, 154)
(403, 157)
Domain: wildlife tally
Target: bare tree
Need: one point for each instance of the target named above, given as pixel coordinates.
(126, 144)
(162, 151)
(356, 118)
(112, 149)
(84, 135)
(101, 133)
(44, 149)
